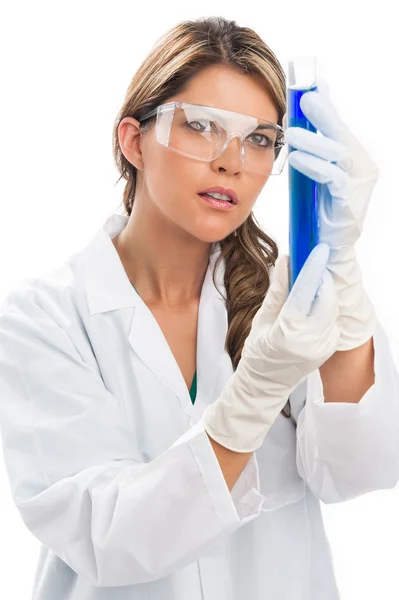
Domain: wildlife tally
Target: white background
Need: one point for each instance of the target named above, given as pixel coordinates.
(65, 70)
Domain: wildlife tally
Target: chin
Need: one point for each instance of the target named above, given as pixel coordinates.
(213, 237)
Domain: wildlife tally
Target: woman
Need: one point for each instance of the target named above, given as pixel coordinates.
(144, 383)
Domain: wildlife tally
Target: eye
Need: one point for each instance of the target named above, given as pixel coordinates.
(268, 141)
(188, 124)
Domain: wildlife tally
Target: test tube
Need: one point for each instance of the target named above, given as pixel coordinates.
(303, 191)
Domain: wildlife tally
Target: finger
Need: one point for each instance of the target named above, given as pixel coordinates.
(318, 108)
(325, 303)
(323, 87)
(319, 145)
(278, 290)
(321, 171)
(303, 291)
(323, 115)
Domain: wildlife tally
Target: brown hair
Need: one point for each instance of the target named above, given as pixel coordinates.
(176, 57)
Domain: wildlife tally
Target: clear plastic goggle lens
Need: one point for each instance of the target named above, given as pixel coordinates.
(204, 132)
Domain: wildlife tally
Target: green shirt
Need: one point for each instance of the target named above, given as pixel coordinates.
(193, 389)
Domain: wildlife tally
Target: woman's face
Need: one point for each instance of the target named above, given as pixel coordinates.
(170, 182)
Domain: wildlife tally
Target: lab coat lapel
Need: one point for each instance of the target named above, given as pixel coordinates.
(108, 288)
(149, 343)
(211, 336)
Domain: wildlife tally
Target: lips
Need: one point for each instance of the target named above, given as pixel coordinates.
(220, 190)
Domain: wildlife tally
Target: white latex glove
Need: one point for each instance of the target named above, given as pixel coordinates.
(337, 160)
(289, 338)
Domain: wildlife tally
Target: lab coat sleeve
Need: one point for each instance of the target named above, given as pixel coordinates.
(345, 450)
(73, 474)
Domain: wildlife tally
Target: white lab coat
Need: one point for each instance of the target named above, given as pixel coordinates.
(111, 469)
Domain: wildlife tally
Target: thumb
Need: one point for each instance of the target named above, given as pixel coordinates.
(278, 291)
(310, 278)
(274, 298)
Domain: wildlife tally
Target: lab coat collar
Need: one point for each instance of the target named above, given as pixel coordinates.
(107, 284)
(108, 288)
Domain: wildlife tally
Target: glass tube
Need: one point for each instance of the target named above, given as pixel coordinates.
(303, 191)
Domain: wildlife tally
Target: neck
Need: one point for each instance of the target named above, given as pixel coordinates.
(164, 263)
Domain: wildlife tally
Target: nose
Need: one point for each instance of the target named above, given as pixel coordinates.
(229, 153)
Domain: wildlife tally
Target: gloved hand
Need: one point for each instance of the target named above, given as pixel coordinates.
(348, 181)
(289, 337)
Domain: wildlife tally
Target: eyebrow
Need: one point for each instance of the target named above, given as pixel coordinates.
(267, 126)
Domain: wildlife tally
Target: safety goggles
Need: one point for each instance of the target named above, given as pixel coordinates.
(203, 132)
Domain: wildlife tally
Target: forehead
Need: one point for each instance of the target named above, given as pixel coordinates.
(226, 88)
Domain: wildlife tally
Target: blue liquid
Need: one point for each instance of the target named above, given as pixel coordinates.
(303, 196)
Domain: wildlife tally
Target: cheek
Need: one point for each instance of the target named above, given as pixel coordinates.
(177, 175)
(171, 181)
(160, 175)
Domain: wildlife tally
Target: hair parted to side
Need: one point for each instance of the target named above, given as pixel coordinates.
(176, 57)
